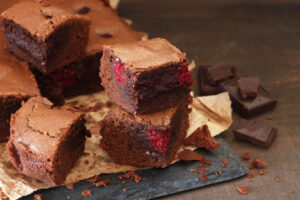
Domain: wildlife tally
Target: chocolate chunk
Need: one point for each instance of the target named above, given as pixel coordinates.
(189, 155)
(248, 87)
(210, 76)
(256, 132)
(219, 73)
(248, 107)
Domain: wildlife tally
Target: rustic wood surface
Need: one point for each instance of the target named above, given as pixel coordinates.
(262, 38)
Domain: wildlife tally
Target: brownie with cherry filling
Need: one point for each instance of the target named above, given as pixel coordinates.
(17, 84)
(145, 140)
(45, 142)
(46, 36)
(145, 76)
(82, 75)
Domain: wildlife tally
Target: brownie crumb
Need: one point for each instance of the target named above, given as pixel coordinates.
(189, 155)
(204, 162)
(130, 175)
(202, 170)
(261, 172)
(230, 166)
(98, 181)
(277, 179)
(257, 163)
(203, 177)
(248, 180)
(251, 175)
(70, 186)
(224, 164)
(38, 197)
(86, 192)
(246, 156)
(229, 156)
(202, 138)
(242, 190)
(124, 190)
(93, 179)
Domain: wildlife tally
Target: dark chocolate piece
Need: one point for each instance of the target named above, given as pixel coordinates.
(46, 36)
(210, 76)
(248, 87)
(45, 142)
(249, 107)
(146, 76)
(149, 140)
(256, 132)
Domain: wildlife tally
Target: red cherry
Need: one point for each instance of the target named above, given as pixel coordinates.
(184, 77)
(119, 71)
(64, 77)
(159, 139)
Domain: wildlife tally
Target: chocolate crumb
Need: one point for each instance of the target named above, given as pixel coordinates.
(130, 175)
(124, 181)
(189, 155)
(242, 190)
(38, 197)
(202, 170)
(277, 179)
(203, 177)
(229, 156)
(261, 172)
(93, 179)
(204, 162)
(257, 163)
(224, 164)
(70, 186)
(124, 190)
(246, 156)
(86, 192)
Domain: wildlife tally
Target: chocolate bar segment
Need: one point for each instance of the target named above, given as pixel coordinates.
(256, 132)
(248, 87)
(248, 107)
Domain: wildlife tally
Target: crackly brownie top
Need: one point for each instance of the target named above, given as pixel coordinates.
(41, 18)
(41, 127)
(148, 54)
(162, 118)
(106, 26)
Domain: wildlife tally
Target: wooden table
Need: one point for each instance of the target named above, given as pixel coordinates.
(262, 38)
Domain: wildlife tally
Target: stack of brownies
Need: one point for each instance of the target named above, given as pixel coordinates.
(51, 48)
(149, 84)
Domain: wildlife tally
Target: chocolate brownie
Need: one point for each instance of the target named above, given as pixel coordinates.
(257, 132)
(45, 142)
(249, 107)
(146, 76)
(81, 76)
(149, 140)
(17, 84)
(210, 77)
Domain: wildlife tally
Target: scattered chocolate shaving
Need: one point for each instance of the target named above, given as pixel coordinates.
(124, 190)
(242, 190)
(189, 155)
(203, 139)
(257, 163)
(86, 192)
(98, 181)
(70, 186)
(246, 156)
(204, 162)
(224, 164)
(251, 175)
(261, 172)
(277, 179)
(202, 170)
(203, 177)
(38, 197)
(130, 175)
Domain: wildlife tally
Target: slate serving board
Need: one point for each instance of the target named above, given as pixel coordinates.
(159, 182)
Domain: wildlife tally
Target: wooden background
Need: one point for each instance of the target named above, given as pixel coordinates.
(262, 38)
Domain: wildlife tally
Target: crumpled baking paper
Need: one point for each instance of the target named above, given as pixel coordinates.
(214, 111)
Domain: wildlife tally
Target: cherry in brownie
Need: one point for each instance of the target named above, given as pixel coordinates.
(144, 140)
(45, 142)
(146, 76)
(46, 36)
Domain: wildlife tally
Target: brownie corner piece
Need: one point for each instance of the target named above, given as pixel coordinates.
(145, 76)
(148, 140)
(46, 36)
(45, 142)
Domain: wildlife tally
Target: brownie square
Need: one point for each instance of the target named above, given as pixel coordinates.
(149, 140)
(46, 36)
(257, 132)
(17, 84)
(210, 77)
(251, 107)
(146, 76)
(45, 142)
